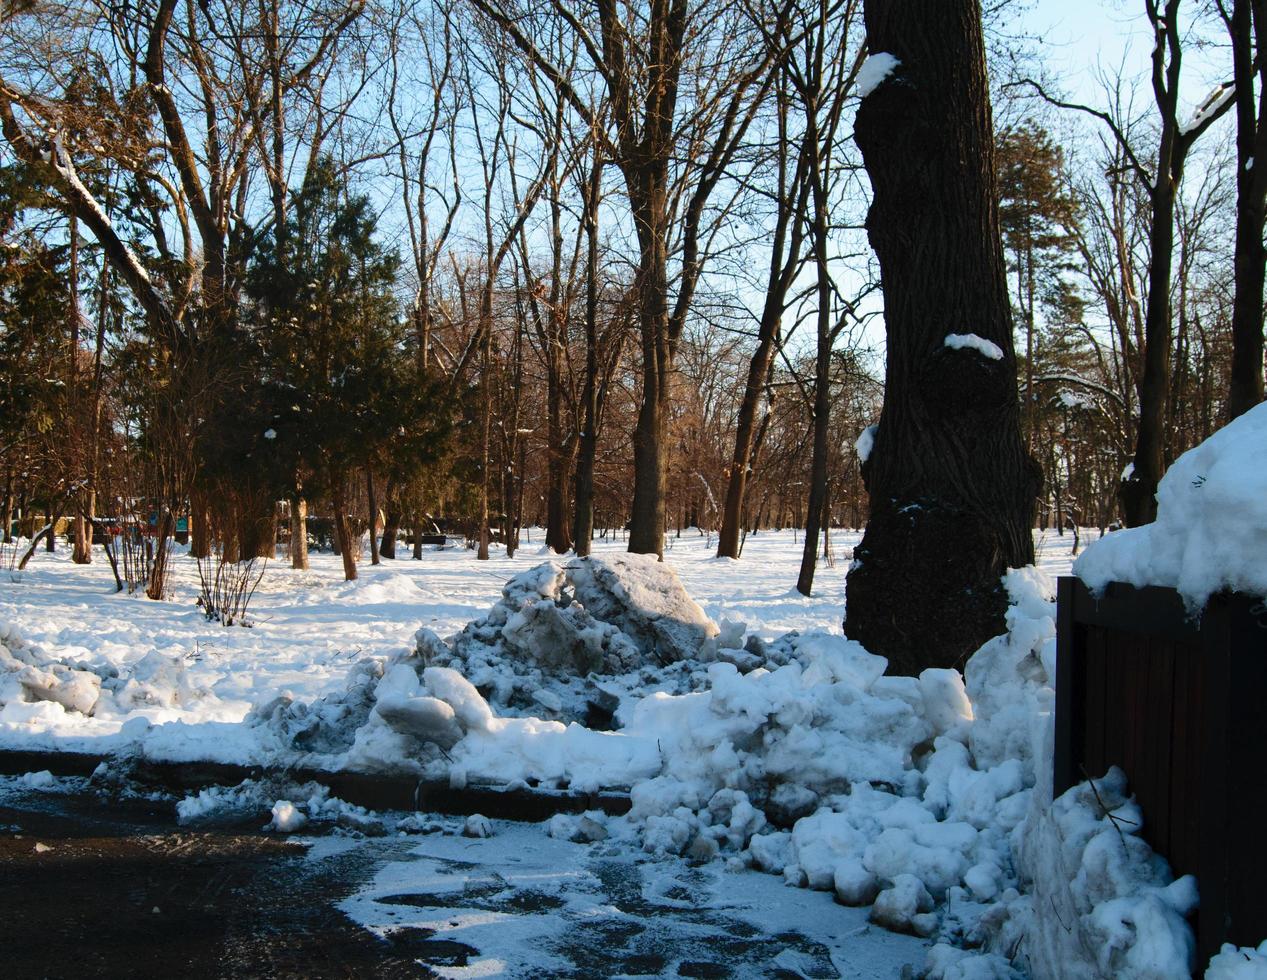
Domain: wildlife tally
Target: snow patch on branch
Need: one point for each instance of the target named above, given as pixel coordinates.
(970, 341)
(1211, 105)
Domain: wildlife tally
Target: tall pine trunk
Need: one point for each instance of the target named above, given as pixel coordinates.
(951, 487)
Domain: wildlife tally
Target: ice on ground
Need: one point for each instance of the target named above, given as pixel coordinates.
(970, 341)
(1211, 527)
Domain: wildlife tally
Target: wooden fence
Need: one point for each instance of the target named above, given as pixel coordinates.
(1181, 706)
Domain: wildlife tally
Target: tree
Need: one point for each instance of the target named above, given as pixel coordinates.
(952, 489)
(1036, 211)
(326, 322)
(1247, 29)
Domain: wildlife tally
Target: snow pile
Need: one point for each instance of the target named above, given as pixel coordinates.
(875, 69)
(970, 341)
(38, 688)
(1238, 964)
(1211, 527)
(438, 723)
(31, 679)
(1097, 901)
(592, 614)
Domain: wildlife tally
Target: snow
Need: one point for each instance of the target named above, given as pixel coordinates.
(286, 818)
(754, 739)
(970, 341)
(1231, 963)
(865, 442)
(875, 69)
(1211, 527)
(1209, 106)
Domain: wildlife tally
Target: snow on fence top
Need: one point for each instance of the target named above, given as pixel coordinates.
(970, 341)
(1211, 527)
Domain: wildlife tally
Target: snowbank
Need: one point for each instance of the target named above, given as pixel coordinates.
(593, 614)
(1211, 527)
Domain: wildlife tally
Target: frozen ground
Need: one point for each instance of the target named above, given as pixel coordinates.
(181, 687)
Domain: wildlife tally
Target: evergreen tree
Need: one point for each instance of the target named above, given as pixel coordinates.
(340, 385)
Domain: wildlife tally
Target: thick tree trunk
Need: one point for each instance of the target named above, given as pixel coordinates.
(647, 513)
(391, 530)
(157, 587)
(299, 533)
(200, 527)
(81, 553)
(952, 489)
(1246, 387)
(1138, 490)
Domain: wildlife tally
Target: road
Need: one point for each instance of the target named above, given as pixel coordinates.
(96, 887)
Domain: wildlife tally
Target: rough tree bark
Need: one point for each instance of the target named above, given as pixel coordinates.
(952, 489)
(1247, 27)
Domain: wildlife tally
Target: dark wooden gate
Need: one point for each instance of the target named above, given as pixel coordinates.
(1181, 706)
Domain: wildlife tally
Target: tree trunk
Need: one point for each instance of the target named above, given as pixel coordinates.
(647, 516)
(558, 528)
(157, 587)
(583, 517)
(81, 553)
(200, 527)
(299, 533)
(391, 529)
(952, 489)
(818, 464)
(1138, 490)
(8, 505)
(371, 497)
(1246, 388)
(342, 531)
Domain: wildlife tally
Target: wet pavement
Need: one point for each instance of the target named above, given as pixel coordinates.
(95, 887)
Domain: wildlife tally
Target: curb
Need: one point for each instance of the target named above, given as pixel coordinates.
(373, 791)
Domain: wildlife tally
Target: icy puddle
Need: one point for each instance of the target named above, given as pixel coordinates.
(522, 904)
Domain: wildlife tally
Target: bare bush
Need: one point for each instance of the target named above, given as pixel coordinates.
(227, 588)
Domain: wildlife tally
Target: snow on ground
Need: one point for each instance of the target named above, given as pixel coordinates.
(312, 627)
(775, 744)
